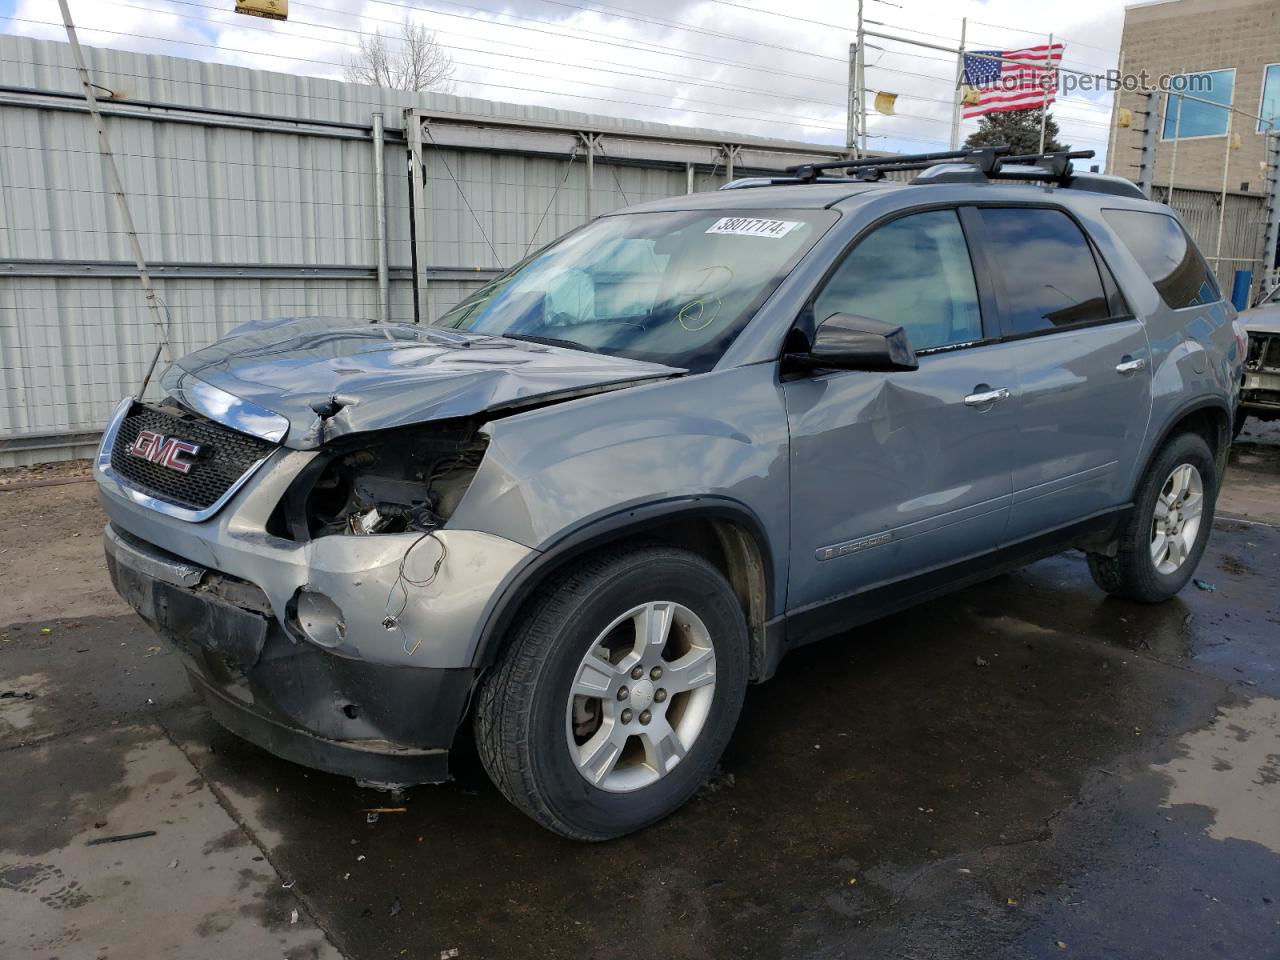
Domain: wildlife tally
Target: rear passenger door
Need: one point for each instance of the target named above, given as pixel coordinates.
(1082, 362)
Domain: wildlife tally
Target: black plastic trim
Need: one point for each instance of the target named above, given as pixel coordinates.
(839, 614)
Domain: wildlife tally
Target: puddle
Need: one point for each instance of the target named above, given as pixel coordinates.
(1232, 768)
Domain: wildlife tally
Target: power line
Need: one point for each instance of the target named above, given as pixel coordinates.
(596, 37)
(652, 75)
(680, 25)
(812, 123)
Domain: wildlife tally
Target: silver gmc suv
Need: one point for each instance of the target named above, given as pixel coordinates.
(586, 507)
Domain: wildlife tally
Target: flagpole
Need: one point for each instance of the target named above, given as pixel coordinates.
(1115, 117)
(851, 122)
(1044, 96)
(959, 98)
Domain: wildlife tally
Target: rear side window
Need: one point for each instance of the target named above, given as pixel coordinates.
(1167, 256)
(914, 271)
(1047, 271)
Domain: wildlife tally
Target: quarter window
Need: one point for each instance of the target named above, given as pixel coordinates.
(1046, 268)
(1169, 259)
(914, 271)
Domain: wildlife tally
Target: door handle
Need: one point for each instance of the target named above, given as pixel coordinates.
(986, 397)
(1130, 366)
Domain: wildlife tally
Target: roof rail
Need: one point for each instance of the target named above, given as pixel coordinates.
(975, 164)
(873, 168)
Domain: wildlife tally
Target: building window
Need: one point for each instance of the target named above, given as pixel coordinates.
(1270, 109)
(1185, 118)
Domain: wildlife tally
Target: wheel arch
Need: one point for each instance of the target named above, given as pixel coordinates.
(725, 532)
(1208, 417)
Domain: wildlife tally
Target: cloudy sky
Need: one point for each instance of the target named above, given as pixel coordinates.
(764, 67)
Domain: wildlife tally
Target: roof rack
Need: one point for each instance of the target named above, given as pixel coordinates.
(989, 161)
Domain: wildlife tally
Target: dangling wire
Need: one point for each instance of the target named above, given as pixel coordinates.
(403, 582)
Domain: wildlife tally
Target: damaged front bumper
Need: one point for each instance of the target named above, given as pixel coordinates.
(370, 721)
(290, 643)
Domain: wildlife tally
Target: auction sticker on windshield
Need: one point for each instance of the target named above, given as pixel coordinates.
(753, 227)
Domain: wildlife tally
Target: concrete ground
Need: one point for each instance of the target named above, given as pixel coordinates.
(1024, 769)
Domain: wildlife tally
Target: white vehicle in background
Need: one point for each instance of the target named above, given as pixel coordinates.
(1260, 391)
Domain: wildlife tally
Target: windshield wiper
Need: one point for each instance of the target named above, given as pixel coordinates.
(549, 341)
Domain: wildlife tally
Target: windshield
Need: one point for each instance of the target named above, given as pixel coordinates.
(671, 288)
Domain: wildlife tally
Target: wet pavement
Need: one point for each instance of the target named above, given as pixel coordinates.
(1023, 769)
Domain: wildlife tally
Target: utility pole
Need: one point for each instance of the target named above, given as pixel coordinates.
(862, 84)
(117, 187)
(959, 98)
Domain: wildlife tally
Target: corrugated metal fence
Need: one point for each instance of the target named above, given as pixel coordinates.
(254, 196)
(1244, 228)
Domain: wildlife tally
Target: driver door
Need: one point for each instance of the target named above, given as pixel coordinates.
(897, 474)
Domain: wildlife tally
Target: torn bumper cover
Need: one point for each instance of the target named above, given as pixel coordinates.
(371, 721)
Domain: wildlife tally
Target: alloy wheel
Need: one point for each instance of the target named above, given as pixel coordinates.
(641, 696)
(1176, 522)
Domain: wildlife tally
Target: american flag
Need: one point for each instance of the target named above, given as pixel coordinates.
(1011, 86)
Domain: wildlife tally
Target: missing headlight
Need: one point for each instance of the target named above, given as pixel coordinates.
(402, 481)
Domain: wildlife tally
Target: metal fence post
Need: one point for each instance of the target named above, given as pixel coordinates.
(418, 216)
(1222, 199)
(1147, 151)
(1273, 211)
(380, 221)
(590, 140)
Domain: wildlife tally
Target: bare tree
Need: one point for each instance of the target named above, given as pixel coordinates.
(417, 62)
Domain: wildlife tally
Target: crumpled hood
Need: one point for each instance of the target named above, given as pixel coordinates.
(1264, 319)
(330, 376)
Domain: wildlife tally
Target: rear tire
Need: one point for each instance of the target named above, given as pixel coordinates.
(1237, 425)
(559, 718)
(1166, 533)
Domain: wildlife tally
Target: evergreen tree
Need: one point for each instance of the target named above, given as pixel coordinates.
(1020, 129)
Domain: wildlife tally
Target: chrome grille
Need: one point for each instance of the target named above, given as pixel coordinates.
(224, 457)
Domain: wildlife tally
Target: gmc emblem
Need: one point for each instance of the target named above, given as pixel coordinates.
(165, 451)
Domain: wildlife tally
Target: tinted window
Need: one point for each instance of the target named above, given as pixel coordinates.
(915, 272)
(1170, 260)
(1046, 270)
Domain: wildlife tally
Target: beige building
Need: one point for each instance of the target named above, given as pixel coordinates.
(1234, 45)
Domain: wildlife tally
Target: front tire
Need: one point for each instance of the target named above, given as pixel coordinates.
(1165, 536)
(618, 694)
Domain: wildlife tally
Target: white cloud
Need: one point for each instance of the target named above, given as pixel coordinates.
(784, 77)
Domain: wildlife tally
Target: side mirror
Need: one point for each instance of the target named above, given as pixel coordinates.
(847, 342)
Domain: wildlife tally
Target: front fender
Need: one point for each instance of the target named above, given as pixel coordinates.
(722, 436)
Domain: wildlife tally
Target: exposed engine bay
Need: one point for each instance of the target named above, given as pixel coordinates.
(408, 481)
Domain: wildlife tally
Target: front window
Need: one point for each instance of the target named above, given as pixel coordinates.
(673, 288)
(914, 271)
(1186, 119)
